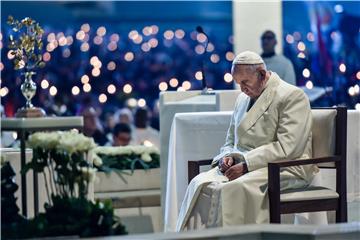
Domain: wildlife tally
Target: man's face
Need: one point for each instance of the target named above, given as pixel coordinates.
(122, 139)
(251, 83)
(268, 42)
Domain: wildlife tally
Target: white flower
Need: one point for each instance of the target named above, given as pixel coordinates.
(88, 173)
(146, 157)
(97, 160)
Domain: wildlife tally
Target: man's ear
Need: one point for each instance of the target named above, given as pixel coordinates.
(262, 74)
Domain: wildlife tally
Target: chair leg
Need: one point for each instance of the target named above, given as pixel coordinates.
(341, 213)
(275, 216)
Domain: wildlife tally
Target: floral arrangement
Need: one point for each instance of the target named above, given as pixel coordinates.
(126, 158)
(27, 48)
(63, 160)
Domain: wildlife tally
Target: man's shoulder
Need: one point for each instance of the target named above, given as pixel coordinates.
(286, 90)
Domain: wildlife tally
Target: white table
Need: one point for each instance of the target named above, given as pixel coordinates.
(196, 136)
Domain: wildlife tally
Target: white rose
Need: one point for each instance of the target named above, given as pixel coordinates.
(146, 157)
(97, 161)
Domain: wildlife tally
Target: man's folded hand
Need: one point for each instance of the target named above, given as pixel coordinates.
(225, 164)
(235, 171)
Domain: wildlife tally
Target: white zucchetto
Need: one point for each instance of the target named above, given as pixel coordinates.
(248, 58)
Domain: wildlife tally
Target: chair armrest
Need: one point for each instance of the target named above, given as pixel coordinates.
(289, 163)
(194, 167)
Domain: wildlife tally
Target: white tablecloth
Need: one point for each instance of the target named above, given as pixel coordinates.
(197, 136)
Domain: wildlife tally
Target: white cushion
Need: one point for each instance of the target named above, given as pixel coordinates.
(309, 193)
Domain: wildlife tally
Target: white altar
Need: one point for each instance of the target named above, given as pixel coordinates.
(189, 101)
(197, 136)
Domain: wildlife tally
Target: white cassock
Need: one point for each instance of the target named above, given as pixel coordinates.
(277, 127)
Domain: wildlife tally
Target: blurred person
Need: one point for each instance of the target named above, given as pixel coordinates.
(144, 134)
(276, 62)
(93, 127)
(121, 135)
(124, 115)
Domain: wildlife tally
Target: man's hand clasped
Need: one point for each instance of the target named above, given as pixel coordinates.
(231, 170)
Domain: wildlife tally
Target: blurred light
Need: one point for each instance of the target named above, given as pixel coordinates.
(101, 31)
(1, 66)
(356, 89)
(94, 60)
(163, 86)
(75, 90)
(301, 46)
(180, 89)
(115, 37)
(147, 143)
(297, 36)
(145, 47)
(214, 58)
(102, 98)
(1, 44)
(351, 91)
(198, 75)
(301, 55)
(342, 68)
(85, 27)
(133, 34)
(111, 89)
(306, 73)
(310, 37)
(338, 8)
(4, 91)
(199, 49)
(98, 64)
(173, 82)
(335, 36)
(84, 47)
(87, 87)
(155, 29)
(44, 84)
(131, 102)
(46, 57)
(80, 35)
(14, 135)
(95, 72)
(357, 106)
(228, 77)
(309, 84)
(289, 39)
(147, 31)
(62, 41)
(153, 42)
(1, 36)
(66, 53)
(50, 47)
(169, 34)
(186, 85)
(85, 79)
(53, 91)
(98, 40)
(180, 34)
(69, 40)
(59, 35)
(138, 39)
(51, 37)
(10, 54)
(210, 47)
(358, 75)
(230, 56)
(200, 37)
(127, 88)
(111, 66)
(112, 46)
(129, 56)
(141, 102)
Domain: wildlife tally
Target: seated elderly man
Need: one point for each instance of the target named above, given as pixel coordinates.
(271, 121)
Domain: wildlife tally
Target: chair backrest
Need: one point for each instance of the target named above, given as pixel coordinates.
(324, 133)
